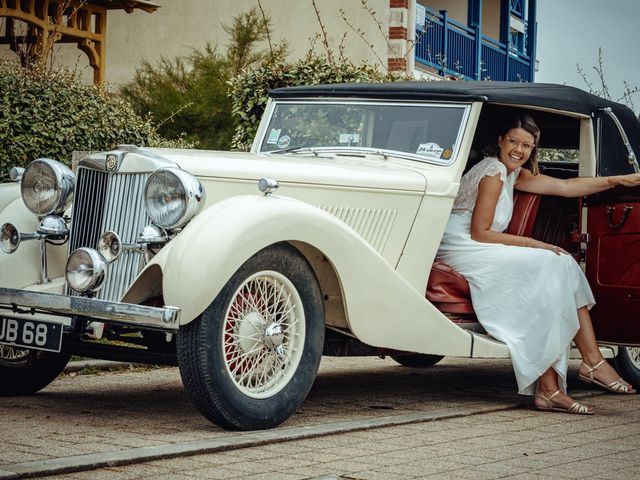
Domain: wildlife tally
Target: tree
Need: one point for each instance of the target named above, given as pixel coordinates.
(51, 113)
(600, 86)
(189, 95)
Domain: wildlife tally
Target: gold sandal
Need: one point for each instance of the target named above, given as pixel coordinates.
(576, 408)
(619, 386)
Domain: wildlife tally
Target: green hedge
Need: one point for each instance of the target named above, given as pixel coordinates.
(52, 114)
(249, 90)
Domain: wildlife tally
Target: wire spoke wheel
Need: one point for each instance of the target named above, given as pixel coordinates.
(634, 356)
(627, 363)
(249, 360)
(264, 330)
(24, 371)
(11, 355)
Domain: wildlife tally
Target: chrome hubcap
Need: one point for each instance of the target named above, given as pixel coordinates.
(274, 336)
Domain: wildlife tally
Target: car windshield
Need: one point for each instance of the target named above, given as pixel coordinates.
(427, 132)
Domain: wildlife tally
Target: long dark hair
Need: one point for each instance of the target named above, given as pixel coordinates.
(524, 121)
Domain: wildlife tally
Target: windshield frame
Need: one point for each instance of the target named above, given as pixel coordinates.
(272, 105)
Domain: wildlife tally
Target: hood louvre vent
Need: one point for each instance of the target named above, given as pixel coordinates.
(374, 225)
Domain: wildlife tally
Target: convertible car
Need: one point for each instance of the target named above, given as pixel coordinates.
(243, 269)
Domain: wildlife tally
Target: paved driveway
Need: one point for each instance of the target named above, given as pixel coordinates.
(359, 410)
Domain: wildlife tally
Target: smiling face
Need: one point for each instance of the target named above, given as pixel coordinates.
(515, 148)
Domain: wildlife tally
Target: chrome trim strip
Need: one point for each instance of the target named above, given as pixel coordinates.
(165, 318)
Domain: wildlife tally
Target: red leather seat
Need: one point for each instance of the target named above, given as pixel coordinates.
(448, 290)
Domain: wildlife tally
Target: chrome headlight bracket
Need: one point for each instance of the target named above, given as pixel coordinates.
(51, 228)
(151, 239)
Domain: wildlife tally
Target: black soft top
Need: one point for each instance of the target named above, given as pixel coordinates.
(547, 95)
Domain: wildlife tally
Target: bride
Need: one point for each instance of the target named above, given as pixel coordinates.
(529, 294)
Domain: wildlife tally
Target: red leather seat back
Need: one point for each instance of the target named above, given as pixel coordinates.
(525, 209)
(448, 290)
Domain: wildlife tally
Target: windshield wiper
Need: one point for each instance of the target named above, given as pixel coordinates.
(296, 150)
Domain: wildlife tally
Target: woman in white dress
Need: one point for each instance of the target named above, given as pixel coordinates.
(529, 294)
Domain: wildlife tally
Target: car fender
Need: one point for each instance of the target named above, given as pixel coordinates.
(382, 308)
(22, 268)
(9, 192)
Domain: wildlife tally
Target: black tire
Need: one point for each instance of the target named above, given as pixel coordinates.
(627, 364)
(23, 372)
(224, 340)
(417, 360)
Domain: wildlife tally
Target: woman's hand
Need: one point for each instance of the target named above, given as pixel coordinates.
(556, 249)
(630, 180)
(547, 246)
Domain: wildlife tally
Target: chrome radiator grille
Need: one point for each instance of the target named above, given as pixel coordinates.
(115, 202)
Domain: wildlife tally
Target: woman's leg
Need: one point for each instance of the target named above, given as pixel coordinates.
(546, 387)
(585, 340)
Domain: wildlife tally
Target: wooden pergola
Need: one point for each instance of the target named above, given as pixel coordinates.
(46, 22)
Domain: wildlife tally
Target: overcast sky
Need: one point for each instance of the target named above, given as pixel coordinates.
(570, 32)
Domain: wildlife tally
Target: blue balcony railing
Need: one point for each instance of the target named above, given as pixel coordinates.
(460, 51)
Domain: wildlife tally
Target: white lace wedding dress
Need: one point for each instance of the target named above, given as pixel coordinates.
(525, 297)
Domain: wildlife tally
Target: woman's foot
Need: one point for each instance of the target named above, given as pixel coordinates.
(560, 402)
(605, 376)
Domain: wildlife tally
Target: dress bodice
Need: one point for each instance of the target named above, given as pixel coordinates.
(468, 194)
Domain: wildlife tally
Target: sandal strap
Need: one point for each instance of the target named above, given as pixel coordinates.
(591, 369)
(550, 397)
(577, 407)
(619, 386)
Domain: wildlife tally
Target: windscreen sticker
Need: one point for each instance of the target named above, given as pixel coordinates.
(447, 154)
(274, 134)
(430, 150)
(349, 138)
(284, 141)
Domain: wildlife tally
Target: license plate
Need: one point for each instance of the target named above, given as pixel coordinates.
(34, 334)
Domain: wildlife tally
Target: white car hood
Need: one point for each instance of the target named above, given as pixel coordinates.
(344, 171)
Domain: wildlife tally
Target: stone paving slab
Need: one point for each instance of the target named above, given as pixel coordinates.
(87, 414)
(427, 457)
(74, 463)
(114, 414)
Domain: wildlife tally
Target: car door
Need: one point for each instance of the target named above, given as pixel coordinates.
(613, 246)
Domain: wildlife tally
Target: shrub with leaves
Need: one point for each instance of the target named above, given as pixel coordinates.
(51, 114)
(249, 89)
(190, 94)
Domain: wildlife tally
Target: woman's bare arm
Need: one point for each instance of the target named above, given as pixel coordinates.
(482, 218)
(572, 187)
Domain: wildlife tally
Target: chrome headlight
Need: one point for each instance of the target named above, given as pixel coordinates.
(86, 270)
(172, 197)
(47, 187)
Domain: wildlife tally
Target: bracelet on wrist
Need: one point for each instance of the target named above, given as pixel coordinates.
(611, 182)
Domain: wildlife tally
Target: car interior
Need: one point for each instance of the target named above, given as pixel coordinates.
(550, 219)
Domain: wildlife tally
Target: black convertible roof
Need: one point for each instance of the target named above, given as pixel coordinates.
(548, 95)
(541, 95)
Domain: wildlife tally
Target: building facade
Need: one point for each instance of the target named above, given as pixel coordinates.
(471, 39)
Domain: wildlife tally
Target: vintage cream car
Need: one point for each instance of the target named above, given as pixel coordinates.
(245, 268)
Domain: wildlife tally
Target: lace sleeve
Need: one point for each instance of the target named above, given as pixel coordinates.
(466, 198)
(493, 168)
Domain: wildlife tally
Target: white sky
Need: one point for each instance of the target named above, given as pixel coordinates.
(570, 32)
